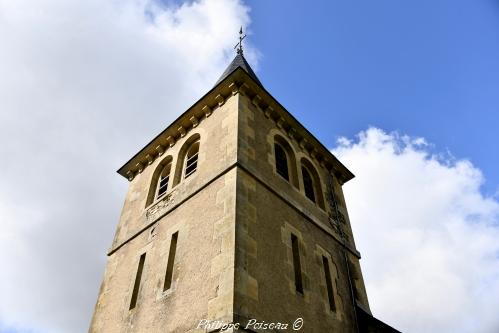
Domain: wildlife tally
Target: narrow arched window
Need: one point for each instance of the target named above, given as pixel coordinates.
(160, 181)
(285, 161)
(187, 160)
(164, 180)
(281, 161)
(191, 159)
(308, 184)
(312, 183)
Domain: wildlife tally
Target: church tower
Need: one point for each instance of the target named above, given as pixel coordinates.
(234, 219)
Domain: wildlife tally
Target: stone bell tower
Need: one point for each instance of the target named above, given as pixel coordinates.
(234, 219)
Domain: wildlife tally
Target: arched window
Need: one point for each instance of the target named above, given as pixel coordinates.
(285, 160)
(164, 179)
(308, 183)
(312, 183)
(191, 159)
(281, 161)
(160, 182)
(187, 160)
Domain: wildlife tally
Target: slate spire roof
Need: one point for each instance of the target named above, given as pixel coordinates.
(239, 61)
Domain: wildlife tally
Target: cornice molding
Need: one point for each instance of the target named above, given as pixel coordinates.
(178, 129)
(295, 131)
(237, 82)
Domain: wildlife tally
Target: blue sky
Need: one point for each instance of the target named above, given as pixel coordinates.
(85, 84)
(425, 68)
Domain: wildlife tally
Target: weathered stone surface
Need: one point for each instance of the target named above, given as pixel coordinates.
(234, 217)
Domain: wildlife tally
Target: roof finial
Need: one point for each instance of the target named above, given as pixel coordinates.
(239, 46)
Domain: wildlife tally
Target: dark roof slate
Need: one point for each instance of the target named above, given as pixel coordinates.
(239, 61)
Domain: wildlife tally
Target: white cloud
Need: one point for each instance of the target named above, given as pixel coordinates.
(429, 238)
(83, 86)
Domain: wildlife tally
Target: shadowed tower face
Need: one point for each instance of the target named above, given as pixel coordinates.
(234, 214)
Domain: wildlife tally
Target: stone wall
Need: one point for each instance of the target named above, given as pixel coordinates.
(202, 209)
(235, 216)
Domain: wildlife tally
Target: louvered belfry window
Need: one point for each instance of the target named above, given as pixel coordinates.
(281, 161)
(191, 159)
(308, 184)
(164, 179)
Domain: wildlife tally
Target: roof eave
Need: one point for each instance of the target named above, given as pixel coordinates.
(201, 101)
(340, 170)
(345, 172)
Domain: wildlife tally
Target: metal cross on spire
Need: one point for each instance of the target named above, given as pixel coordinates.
(239, 46)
